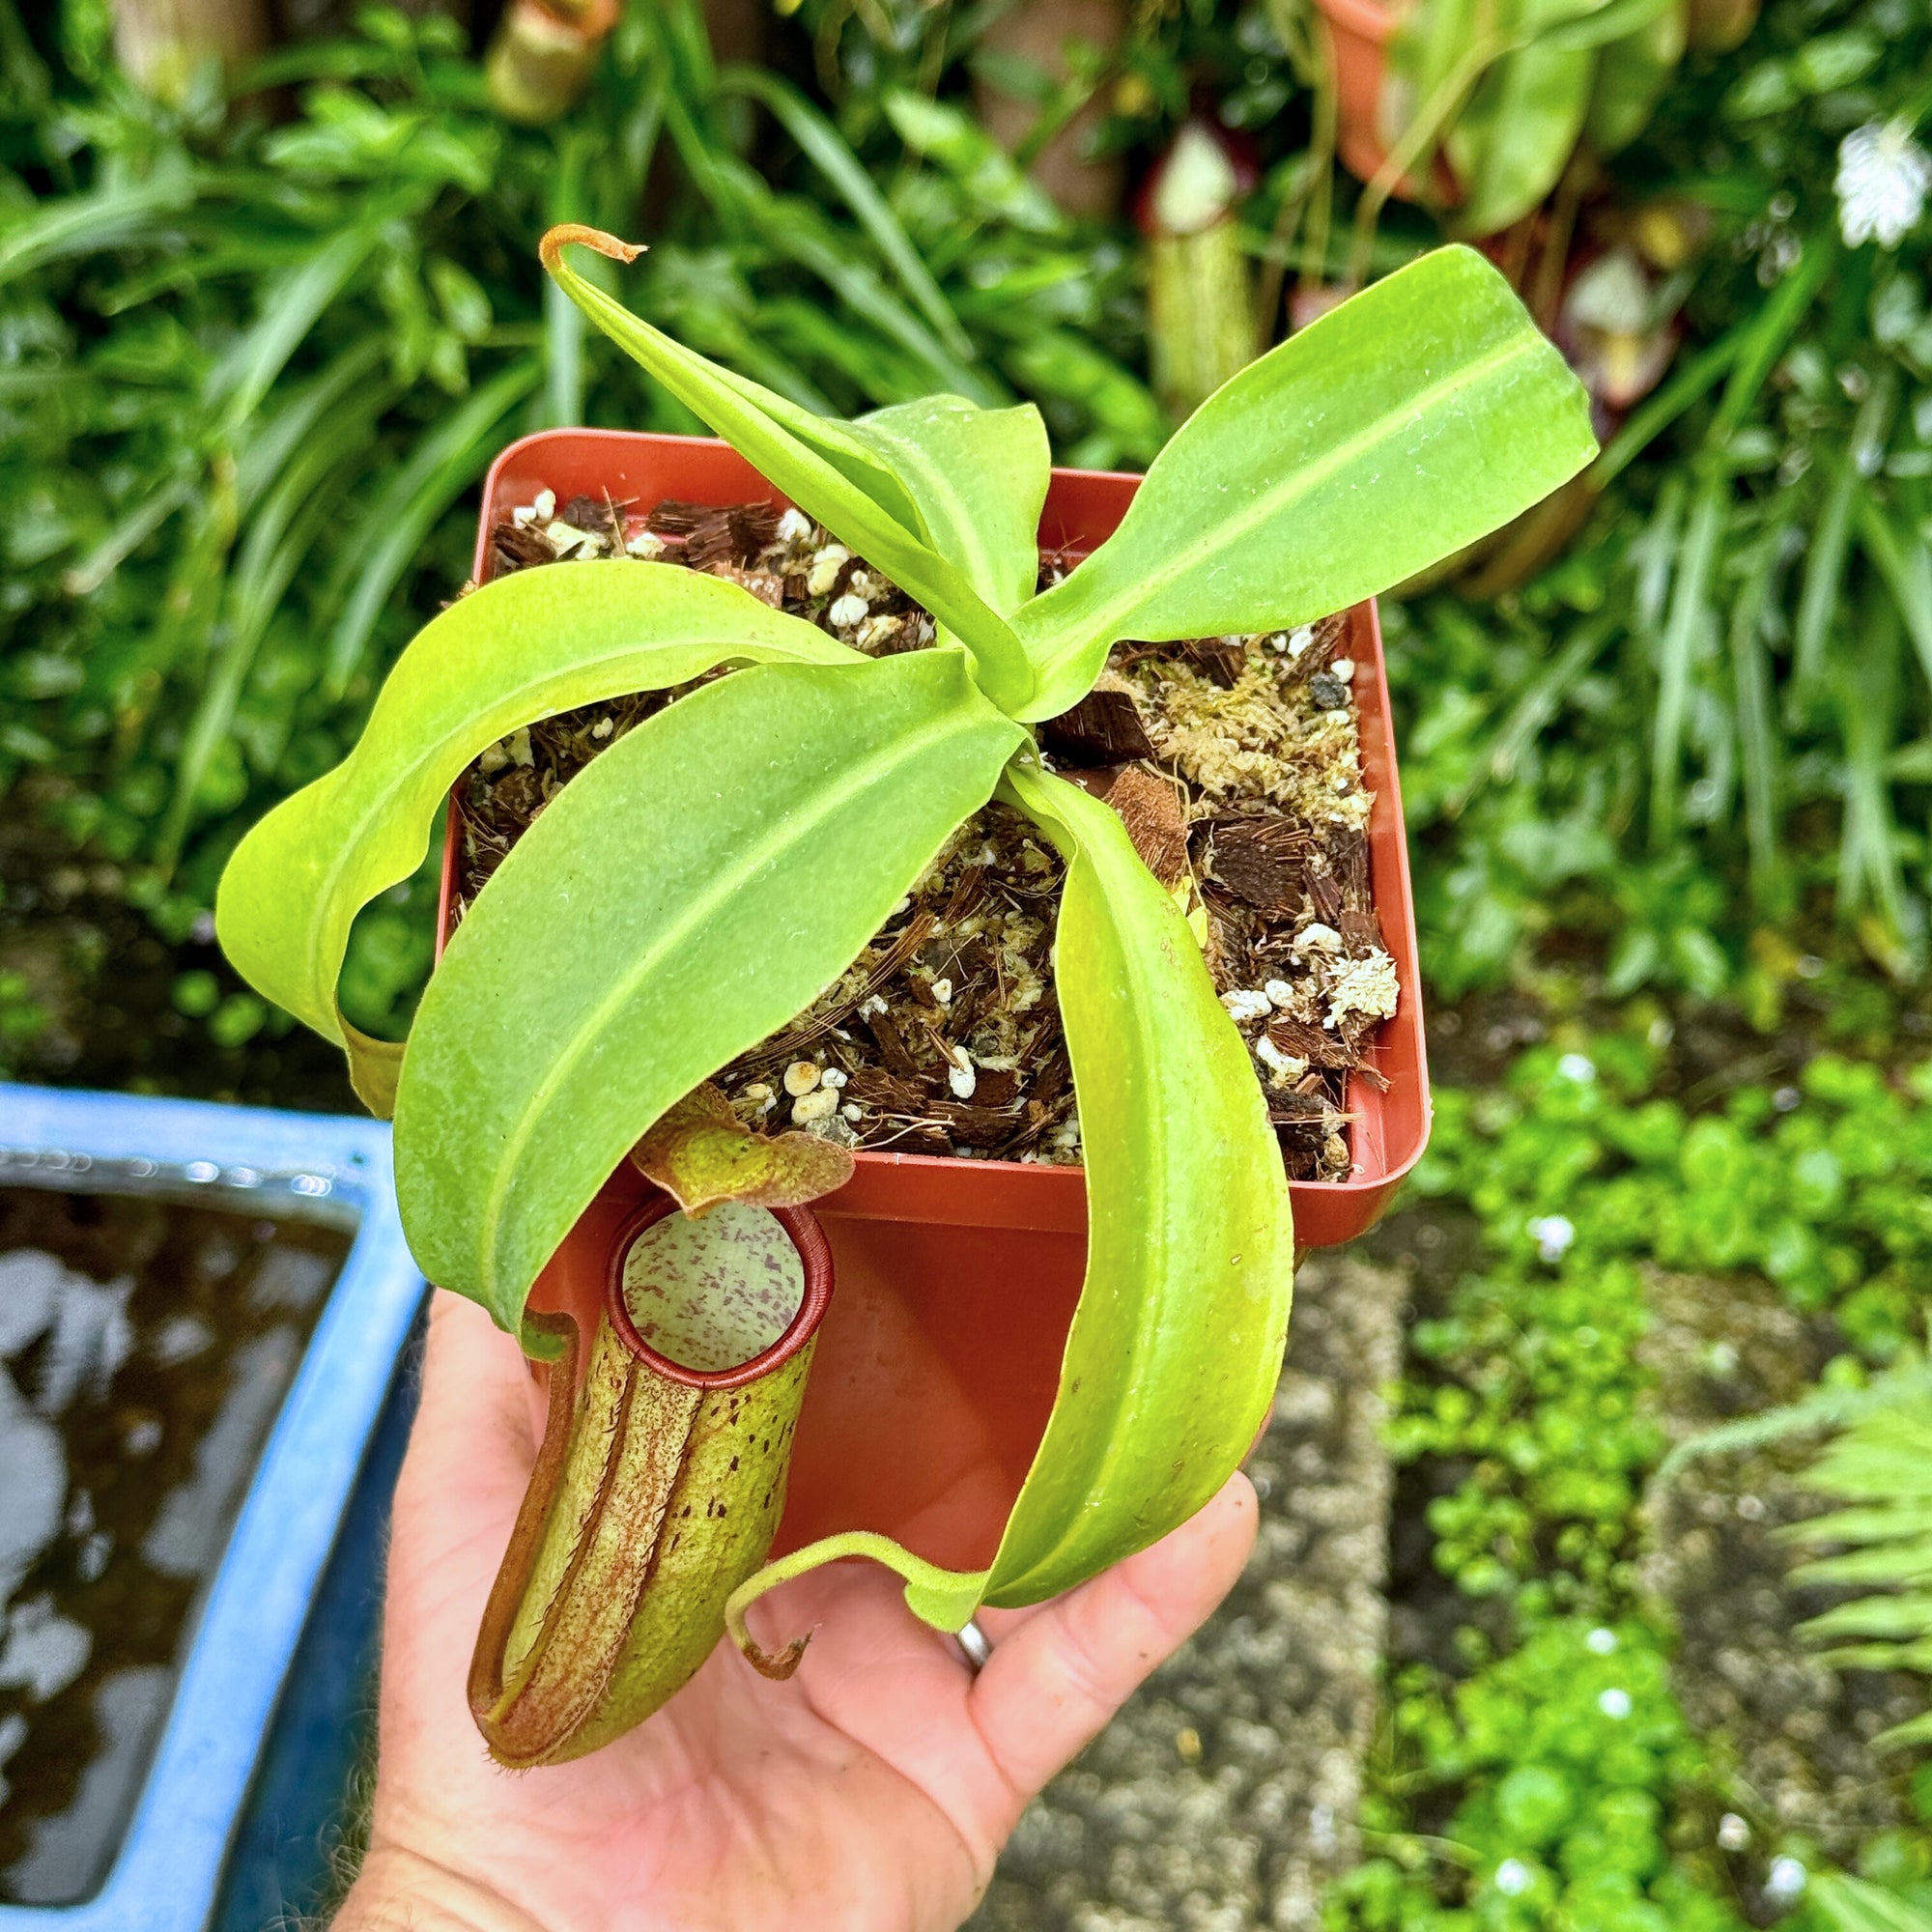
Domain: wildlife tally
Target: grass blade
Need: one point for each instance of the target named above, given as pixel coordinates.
(89, 224)
(293, 305)
(821, 143)
(1823, 573)
(1904, 564)
(419, 494)
(1757, 737)
(1689, 611)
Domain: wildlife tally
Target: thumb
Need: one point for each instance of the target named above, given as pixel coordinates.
(469, 1458)
(1056, 1678)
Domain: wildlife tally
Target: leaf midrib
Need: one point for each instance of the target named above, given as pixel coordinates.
(788, 831)
(322, 984)
(1147, 586)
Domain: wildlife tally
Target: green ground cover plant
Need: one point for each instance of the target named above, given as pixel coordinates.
(1553, 1755)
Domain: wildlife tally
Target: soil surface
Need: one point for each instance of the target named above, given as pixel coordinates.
(1233, 762)
(1790, 1735)
(1224, 1795)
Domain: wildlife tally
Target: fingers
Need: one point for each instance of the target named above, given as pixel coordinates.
(473, 1442)
(1055, 1679)
(468, 1462)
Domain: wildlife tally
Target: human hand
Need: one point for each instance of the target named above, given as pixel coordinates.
(871, 1793)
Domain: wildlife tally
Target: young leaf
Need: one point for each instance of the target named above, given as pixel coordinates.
(699, 1154)
(1405, 423)
(518, 649)
(690, 891)
(980, 475)
(832, 471)
(1176, 1343)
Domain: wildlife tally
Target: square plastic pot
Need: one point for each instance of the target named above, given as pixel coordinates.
(939, 1360)
(242, 1634)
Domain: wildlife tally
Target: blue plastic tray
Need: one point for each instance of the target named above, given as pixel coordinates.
(303, 1166)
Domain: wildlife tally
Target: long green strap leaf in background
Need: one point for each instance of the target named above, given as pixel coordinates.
(1414, 418)
(1632, 72)
(291, 306)
(800, 230)
(822, 144)
(1176, 1343)
(1522, 124)
(828, 469)
(1689, 613)
(116, 215)
(987, 175)
(518, 649)
(1824, 575)
(447, 459)
(1842, 1904)
(292, 517)
(688, 893)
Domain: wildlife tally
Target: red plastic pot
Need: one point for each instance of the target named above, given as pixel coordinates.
(1358, 32)
(940, 1354)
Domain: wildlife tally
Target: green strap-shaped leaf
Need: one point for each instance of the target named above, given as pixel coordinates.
(982, 476)
(1176, 1343)
(1516, 134)
(830, 469)
(1844, 1904)
(689, 892)
(520, 649)
(1417, 416)
(1633, 71)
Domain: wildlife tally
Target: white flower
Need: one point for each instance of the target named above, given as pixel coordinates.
(1884, 177)
(1512, 1878)
(1553, 1234)
(1733, 1833)
(1600, 1642)
(1576, 1067)
(1785, 1881)
(1615, 1702)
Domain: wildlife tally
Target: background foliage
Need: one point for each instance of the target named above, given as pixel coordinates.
(253, 361)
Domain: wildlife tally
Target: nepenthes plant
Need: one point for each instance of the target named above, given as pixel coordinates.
(713, 870)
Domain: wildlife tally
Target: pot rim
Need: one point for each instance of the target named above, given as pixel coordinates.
(949, 1189)
(815, 1253)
